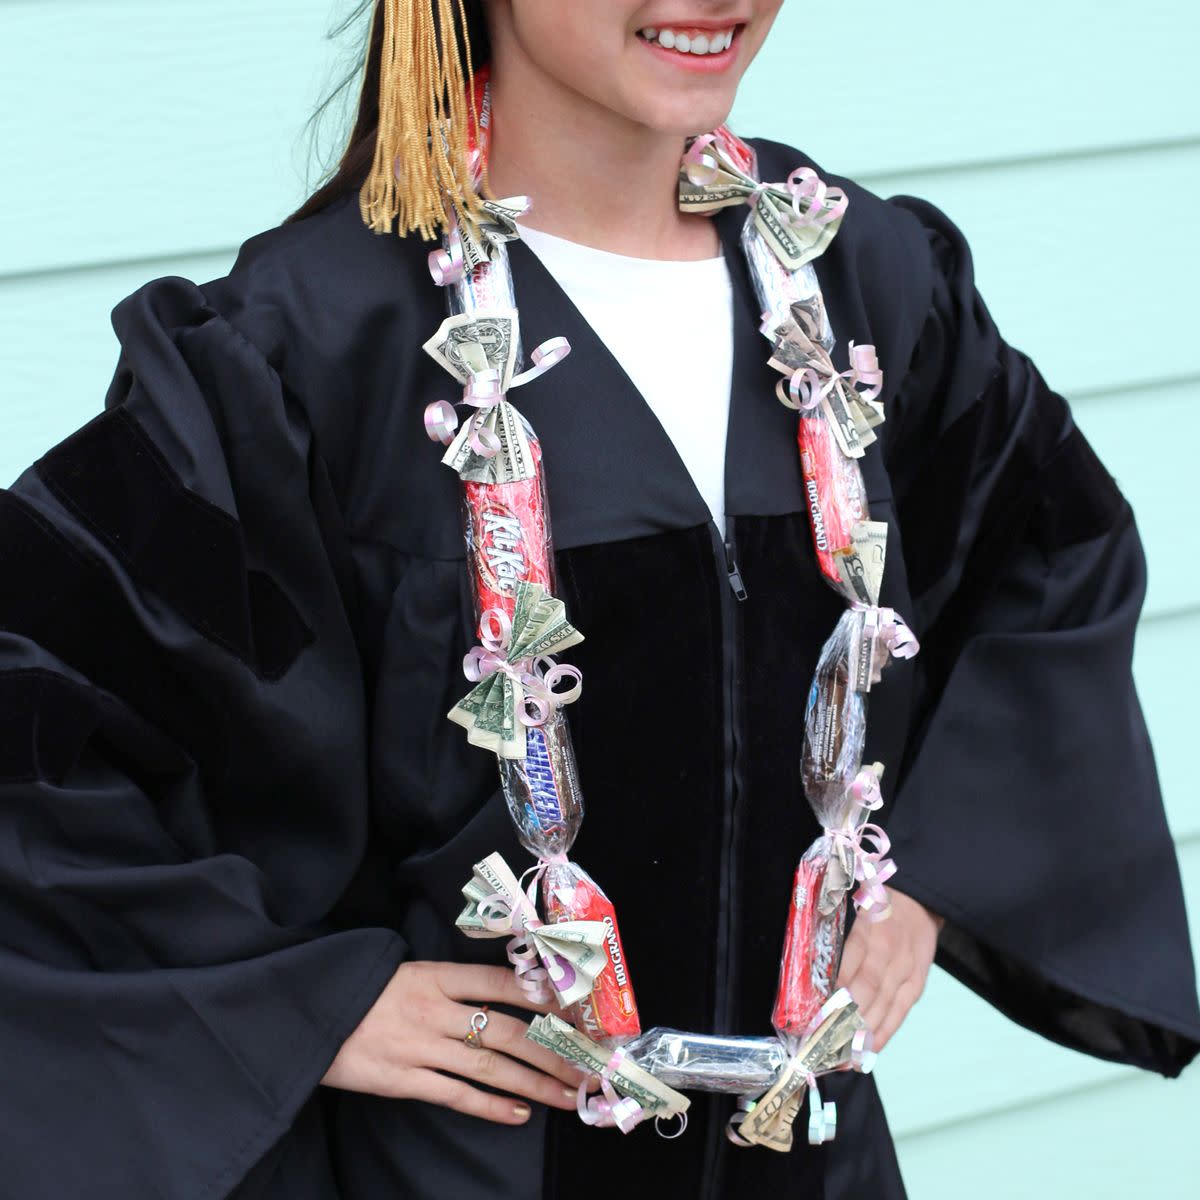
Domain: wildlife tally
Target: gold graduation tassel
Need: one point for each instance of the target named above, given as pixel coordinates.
(421, 144)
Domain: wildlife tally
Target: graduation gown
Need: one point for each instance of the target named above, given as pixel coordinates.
(231, 803)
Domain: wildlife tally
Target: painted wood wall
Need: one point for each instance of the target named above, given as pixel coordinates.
(141, 138)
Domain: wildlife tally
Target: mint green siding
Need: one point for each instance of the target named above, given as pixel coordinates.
(1063, 136)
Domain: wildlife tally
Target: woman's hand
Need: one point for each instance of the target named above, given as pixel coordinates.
(410, 1045)
(885, 964)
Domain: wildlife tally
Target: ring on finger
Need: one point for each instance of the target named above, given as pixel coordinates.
(479, 1022)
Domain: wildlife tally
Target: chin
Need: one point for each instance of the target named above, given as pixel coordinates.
(683, 115)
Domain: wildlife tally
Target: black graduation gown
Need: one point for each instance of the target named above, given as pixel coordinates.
(231, 804)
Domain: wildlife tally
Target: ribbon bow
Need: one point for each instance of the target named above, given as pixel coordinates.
(798, 218)
(609, 1108)
(514, 677)
(861, 848)
(883, 635)
(828, 1045)
(468, 243)
(570, 953)
(851, 396)
(629, 1093)
(492, 444)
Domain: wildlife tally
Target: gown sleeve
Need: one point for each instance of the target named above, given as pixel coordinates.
(183, 793)
(1027, 811)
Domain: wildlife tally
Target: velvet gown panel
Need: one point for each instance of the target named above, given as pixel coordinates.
(231, 804)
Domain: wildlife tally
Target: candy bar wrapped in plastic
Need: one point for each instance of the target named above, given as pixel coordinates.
(834, 719)
(701, 1062)
(834, 493)
(777, 289)
(812, 947)
(506, 525)
(609, 1013)
(842, 794)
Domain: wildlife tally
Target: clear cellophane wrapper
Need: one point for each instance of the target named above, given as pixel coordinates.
(509, 541)
(834, 735)
(776, 288)
(837, 503)
(609, 1015)
(699, 1062)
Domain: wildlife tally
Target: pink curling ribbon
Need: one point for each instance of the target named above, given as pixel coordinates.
(701, 166)
(811, 201)
(822, 1118)
(483, 391)
(448, 266)
(501, 914)
(539, 676)
(864, 375)
(887, 629)
(862, 1053)
(609, 1108)
(865, 846)
(551, 352)
(822, 205)
(536, 950)
(819, 377)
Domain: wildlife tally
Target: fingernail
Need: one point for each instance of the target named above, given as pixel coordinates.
(521, 1112)
(569, 1093)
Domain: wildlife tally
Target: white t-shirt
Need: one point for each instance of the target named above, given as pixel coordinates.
(670, 326)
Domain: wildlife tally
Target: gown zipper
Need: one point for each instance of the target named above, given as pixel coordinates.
(732, 593)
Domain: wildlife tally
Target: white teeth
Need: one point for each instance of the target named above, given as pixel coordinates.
(701, 43)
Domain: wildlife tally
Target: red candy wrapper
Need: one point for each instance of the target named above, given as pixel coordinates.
(610, 1014)
(833, 492)
(508, 537)
(812, 950)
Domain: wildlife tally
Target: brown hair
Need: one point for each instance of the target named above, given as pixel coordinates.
(354, 165)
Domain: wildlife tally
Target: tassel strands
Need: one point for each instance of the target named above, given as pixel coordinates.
(421, 143)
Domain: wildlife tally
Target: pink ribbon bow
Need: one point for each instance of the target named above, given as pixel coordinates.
(887, 629)
(539, 676)
(865, 845)
(610, 1108)
(812, 203)
(484, 390)
(811, 383)
(518, 915)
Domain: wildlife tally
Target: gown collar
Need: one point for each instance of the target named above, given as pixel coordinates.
(612, 471)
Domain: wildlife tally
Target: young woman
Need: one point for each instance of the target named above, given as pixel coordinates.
(235, 821)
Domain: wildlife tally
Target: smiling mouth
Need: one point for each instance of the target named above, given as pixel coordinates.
(688, 40)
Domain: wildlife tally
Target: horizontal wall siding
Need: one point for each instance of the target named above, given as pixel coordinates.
(1063, 139)
(889, 87)
(168, 128)
(956, 1059)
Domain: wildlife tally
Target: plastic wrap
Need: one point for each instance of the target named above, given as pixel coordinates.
(699, 1062)
(776, 288)
(506, 527)
(812, 948)
(834, 721)
(610, 1014)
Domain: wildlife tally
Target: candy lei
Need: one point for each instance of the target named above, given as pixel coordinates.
(569, 946)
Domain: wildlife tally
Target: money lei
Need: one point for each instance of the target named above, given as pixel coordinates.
(797, 220)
